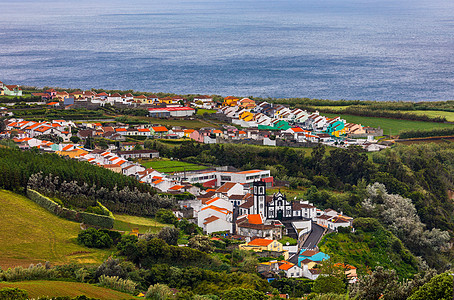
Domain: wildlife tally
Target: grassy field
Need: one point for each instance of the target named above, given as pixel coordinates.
(42, 288)
(170, 166)
(329, 107)
(435, 113)
(30, 234)
(191, 124)
(201, 111)
(127, 223)
(393, 125)
(289, 193)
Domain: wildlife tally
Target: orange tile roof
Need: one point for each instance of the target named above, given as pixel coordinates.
(189, 130)
(241, 132)
(176, 187)
(67, 147)
(218, 209)
(42, 129)
(159, 129)
(226, 187)
(143, 130)
(217, 131)
(52, 103)
(286, 266)
(158, 181)
(260, 242)
(250, 172)
(120, 129)
(255, 219)
(212, 200)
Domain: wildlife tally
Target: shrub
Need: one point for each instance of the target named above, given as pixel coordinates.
(37, 272)
(13, 294)
(159, 292)
(93, 238)
(116, 283)
(243, 294)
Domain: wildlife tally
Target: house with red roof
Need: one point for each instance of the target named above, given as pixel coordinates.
(12, 90)
(213, 219)
(159, 131)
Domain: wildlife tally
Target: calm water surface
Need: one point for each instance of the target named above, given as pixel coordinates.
(343, 49)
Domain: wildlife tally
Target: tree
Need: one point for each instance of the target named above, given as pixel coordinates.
(166, 216)
(243, 294)
(438, 288)
(328, 284)
(169, 235)
(372, 287)
(75, 139)
(201, 242)
(93, 238)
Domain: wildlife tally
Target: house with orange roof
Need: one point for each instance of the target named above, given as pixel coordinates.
(113, 167)
(259, 245)
(53, 104)
(230, 101)
(159, 130)
(247, 103)
(221, 222)
(61, 95)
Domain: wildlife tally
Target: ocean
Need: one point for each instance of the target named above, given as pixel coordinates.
(334, 49)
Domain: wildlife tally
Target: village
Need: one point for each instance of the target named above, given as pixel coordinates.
(224, 201)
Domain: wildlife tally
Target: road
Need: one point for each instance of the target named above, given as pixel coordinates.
(314, 237)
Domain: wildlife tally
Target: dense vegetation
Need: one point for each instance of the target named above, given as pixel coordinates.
(426, 133)
(370, 246)
(77, 184)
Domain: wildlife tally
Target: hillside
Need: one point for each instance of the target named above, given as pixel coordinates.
(40, 288)
(368, 248)
(30, 234)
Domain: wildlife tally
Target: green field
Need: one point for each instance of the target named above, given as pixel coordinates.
(393, 125)
(201, 111)
(42, 288)
(170, 166)
(190, 124)
(435, 113)
(127, 223)
(31, 234)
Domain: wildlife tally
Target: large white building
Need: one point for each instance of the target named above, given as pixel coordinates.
(214, 178)
(163, 112)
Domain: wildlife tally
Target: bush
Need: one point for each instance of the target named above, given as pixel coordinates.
(243, 294)
(13, 294)
(366, 224)
(159, 292)
(116, 283)
(166, 216)
(93, 238)
(37, 272)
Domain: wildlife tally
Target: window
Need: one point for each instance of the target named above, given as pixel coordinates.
(261, 190)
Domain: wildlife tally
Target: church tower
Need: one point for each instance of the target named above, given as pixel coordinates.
(259, 191)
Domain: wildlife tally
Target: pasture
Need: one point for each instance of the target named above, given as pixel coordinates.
(43, 288)
(31, 234)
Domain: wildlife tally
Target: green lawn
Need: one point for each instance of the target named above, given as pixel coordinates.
(201, 111)
(42, 288)
(31, 234)
(170, 166)
(393, 125)
(127, 223)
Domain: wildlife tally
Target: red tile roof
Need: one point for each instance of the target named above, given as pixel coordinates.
(260, 242)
